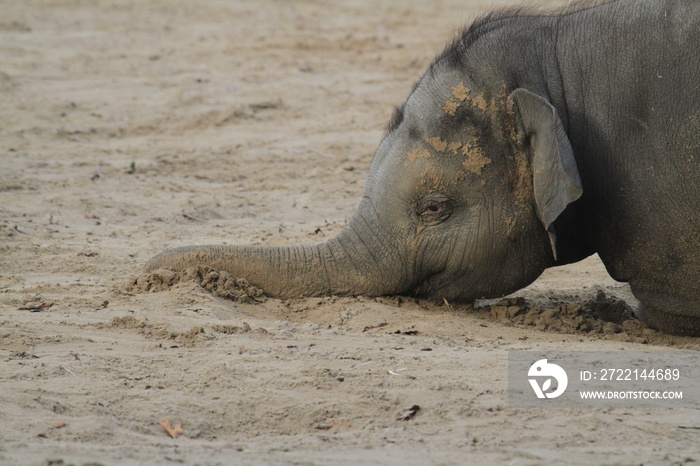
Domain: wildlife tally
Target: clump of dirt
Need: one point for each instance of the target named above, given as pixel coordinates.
(601, 315)
(188, 338)
(218, 283)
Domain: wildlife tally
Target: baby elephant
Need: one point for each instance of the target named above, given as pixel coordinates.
(534, 140)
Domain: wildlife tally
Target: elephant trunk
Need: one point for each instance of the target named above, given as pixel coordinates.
(289, 272)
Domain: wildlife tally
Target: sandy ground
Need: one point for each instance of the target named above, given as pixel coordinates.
(132, 126)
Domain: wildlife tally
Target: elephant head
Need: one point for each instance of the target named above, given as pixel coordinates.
(460, 203)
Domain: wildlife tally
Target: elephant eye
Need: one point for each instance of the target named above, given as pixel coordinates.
(433, 209)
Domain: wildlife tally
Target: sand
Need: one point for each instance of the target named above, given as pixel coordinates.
(129, 127)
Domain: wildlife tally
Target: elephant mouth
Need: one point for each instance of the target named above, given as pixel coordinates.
(439, 286)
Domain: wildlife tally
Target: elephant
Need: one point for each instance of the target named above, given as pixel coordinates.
(535, 139)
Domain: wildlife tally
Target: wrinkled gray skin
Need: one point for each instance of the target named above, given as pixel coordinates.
(532, 141)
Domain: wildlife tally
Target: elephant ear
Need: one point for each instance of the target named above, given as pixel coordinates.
(555, 177)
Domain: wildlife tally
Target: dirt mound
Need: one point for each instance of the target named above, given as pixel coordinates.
(601, 315)
(188, 337)
(221, 284)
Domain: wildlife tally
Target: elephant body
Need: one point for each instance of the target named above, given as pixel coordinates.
(535, 139)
